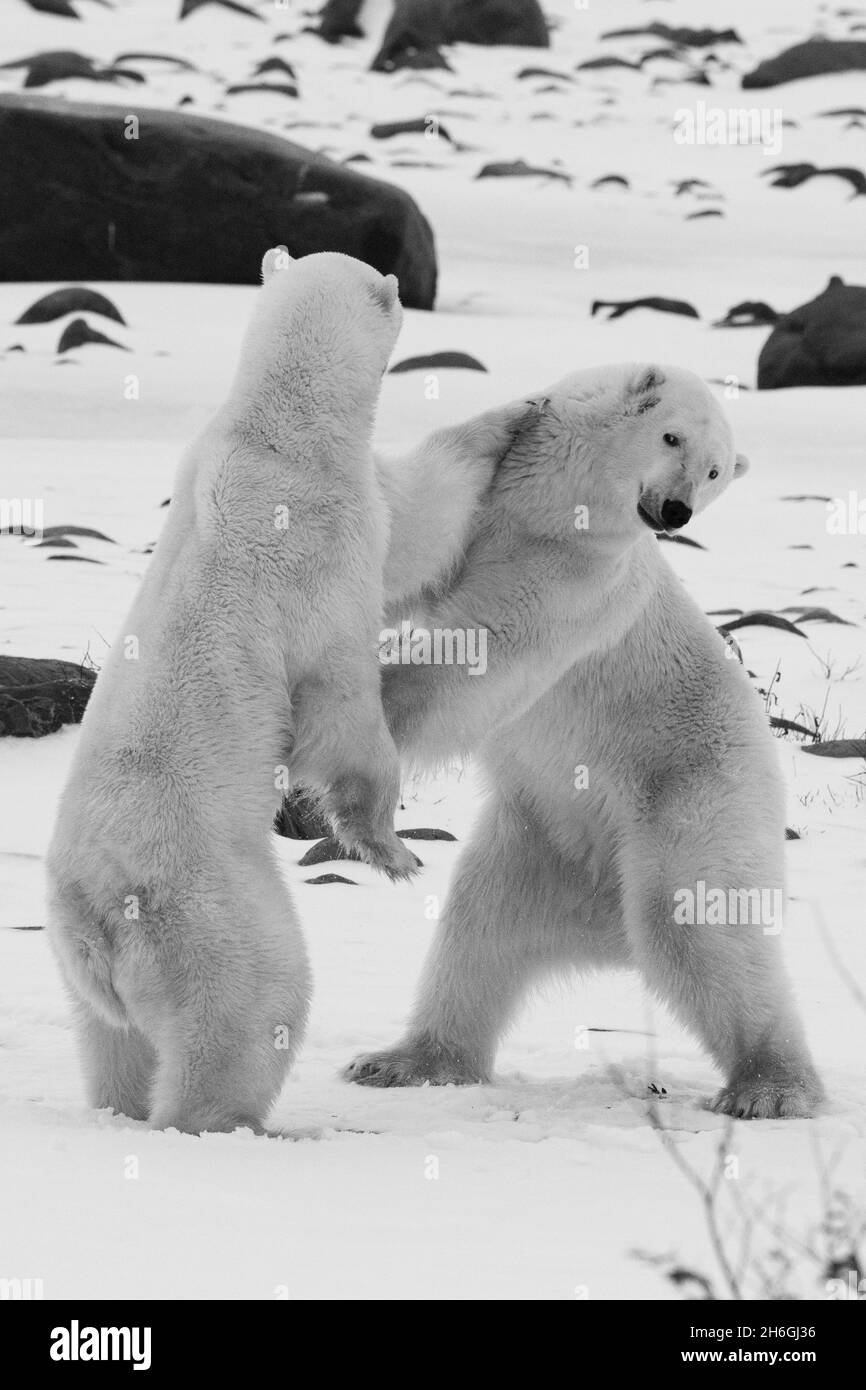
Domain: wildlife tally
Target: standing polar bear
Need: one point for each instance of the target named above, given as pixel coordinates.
(632, 776)
(249, 656)
(251, 646)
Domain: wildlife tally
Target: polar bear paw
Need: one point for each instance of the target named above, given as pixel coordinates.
(420, 1063)
(773, 1096)
(390, 856)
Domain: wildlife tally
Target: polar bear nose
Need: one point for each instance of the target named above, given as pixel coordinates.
(675, 513)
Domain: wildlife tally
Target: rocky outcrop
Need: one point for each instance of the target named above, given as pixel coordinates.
(822, 343)
(86, 194)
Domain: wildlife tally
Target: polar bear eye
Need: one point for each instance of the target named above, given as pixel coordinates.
(714, 473)
(671, 439)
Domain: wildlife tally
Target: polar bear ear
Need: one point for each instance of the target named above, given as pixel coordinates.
(642, 390)
(276, 259)
(385, 292)
(741, 466)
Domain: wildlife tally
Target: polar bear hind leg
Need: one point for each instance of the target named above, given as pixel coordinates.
(725, 982)
(190, 1017)
(515, 914)
(228, 1018)
(119, 1064)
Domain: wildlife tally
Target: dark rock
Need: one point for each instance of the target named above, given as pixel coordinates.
(300, 817)
(68, 173)
(280, 89)
(419, 126)
(519, 169)
(62, 8)
(760, 618)
(330, 850)
(688, 38)
(750, 314)
(790, 726)
(822, 343)
(544, 72)
(53, 66)
(50, 532)
(492, 22)
(326, 851)
(422, 834)
(38, 696)
(331, 878)
(180, 63)
(67, 301)
(592, 63)
(854, 112)
(79, 559)
(793, 175)
(837, 748)
(411, 57)
(818, 615)
(666, 53)
(78, 333)
(624, 306)
(809, 59)
(276, 65)
(707, 212)
(423, 26)
(339, 20)
(190, 7)
(437, 360)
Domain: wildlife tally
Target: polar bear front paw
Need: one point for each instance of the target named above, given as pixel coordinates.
(770, 1097)
(390, 857)
(421, 1064)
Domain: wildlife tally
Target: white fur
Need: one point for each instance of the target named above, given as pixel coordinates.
(598, 658)
(256, 626)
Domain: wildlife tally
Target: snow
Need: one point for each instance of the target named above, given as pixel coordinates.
(552, 1183)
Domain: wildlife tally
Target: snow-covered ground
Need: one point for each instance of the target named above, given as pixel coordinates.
(553, 1183)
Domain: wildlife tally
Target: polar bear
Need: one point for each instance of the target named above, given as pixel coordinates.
(632, 775)
(249, 656)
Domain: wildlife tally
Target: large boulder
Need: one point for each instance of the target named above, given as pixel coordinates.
(823, 343)
(38, 696)
(422, 26)
(339, 19)
(518, 22)
(810, 59)
(190, 199)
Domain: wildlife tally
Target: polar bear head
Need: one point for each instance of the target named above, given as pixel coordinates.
(678, 444)
(639, 447)
(322, 331)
